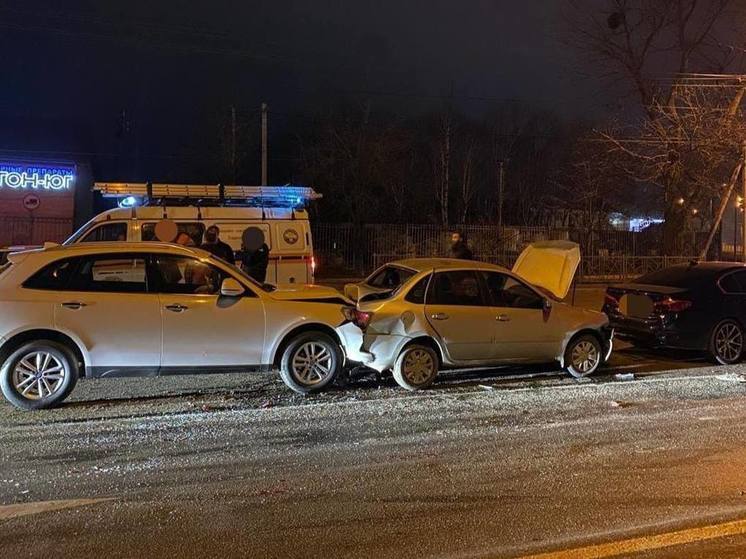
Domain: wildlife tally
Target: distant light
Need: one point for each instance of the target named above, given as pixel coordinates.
(695, 211)
(680, 201)
(128, 202)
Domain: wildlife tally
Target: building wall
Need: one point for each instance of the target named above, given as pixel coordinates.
(40, 199)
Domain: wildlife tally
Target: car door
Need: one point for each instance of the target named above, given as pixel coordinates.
(201, 328)
(107, 305)
(523, 329)
(457, 309)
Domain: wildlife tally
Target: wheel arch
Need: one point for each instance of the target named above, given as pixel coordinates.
(301, 329)
(18, 339)
(428, 341)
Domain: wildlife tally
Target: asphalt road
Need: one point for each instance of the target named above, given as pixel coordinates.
(501, 462)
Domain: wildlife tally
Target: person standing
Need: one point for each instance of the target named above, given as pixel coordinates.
(216, 247)
(254, 254)
(460, 247)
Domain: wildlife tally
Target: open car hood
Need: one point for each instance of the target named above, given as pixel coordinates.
(549, 264)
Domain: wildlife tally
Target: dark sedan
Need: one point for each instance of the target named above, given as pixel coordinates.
(698, 306)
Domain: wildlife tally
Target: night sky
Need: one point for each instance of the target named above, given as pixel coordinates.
(175, 68)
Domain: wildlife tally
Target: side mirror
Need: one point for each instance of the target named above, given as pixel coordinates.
(231, 288)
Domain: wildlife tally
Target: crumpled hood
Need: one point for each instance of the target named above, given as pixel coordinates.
(308, 292)
(549, 264)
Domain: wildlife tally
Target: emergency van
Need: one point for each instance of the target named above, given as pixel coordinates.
(279, 212)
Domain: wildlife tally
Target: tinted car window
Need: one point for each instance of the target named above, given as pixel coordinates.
(109, 273)
(390, 277)
(416, 295)
(195, 231)
(506, 291)
(178, 274)
(116, 231)
(455, 288)
(53, 276)
(734, 283)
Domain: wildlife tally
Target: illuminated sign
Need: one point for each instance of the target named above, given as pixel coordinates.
(36, 177)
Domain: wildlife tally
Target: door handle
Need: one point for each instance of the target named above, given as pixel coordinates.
(503, 318)
(439, 316)
(73, 305)
(176, 307)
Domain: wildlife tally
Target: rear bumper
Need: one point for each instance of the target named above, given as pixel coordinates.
(656, 333)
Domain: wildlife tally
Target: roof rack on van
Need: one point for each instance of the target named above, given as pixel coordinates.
(209, 194)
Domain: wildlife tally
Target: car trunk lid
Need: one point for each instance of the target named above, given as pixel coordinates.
(549, 264)
(642, 301)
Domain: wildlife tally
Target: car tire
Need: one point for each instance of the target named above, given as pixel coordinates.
(727, 342)
(310, 362)
(416, 367)
(43, 360)
(583, 355)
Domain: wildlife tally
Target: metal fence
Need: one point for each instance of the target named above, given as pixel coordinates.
(607, 254)
(33, 231)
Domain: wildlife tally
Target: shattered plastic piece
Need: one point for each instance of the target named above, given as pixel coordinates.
(732, 377)
(266, 404)
(624, 376)
(619, 404)
(486, 387)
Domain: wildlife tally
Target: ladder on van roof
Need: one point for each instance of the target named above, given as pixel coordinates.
(210, 194)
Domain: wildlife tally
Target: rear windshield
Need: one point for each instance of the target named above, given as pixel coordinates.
(390, 277)
(679, 276)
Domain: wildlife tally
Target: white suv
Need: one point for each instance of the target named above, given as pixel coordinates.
(124, 309)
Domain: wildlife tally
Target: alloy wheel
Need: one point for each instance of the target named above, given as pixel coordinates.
(418, 366)
(729, 342)
(312, 363)
(584, 356)
(38, 375)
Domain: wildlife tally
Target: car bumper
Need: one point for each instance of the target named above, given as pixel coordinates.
(655, 333)
(376, 351)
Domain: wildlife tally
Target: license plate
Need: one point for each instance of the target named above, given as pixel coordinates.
(636, 306)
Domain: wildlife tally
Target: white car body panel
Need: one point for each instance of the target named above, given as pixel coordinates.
(477, 335)
(119, 332)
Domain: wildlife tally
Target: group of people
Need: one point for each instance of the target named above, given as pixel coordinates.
(253, 257)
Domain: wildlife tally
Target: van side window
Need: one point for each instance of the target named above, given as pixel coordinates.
(108, 232)
(196, 232)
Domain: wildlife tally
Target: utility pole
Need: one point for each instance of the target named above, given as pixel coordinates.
(264, 144)
(233, 143)
(500, 194)
(743, 194)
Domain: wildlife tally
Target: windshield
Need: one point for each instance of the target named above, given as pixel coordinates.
(390, 277)
(678, 276)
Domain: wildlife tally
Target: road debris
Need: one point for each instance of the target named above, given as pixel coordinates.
(732, 377)
(624, 376)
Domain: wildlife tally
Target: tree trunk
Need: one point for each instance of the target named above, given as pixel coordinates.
(673, 228)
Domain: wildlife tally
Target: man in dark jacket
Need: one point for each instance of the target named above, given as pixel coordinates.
(460, 248)
(254, 254)
(215, 246)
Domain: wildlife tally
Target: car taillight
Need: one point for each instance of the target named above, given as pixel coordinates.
(358, 318)
(669, 305)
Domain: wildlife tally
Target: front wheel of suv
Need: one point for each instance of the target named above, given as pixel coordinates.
(39, 375)
(310, 362)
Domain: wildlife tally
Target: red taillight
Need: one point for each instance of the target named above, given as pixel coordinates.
(313, 265)
(358, 318)
(669, 305)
